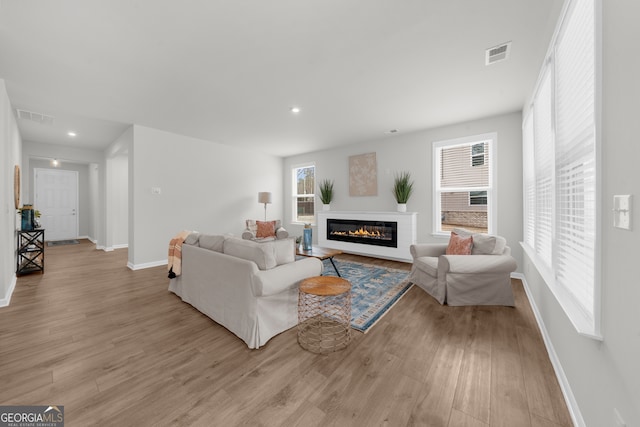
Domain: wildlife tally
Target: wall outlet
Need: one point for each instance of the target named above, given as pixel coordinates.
(619, 422)
(156, 190)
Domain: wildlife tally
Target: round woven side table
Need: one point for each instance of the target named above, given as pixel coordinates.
(324, 314)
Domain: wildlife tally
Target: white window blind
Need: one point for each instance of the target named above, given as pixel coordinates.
(575, 154)
(529, 178)
(559, 152)
(543, 154)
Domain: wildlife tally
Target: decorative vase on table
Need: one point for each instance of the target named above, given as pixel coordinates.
(307, 238)
(27, 218)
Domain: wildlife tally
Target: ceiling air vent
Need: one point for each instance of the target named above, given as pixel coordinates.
(43, 119)
(497, 53)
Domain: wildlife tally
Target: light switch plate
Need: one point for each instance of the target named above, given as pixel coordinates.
(622, 211)
(156, 190)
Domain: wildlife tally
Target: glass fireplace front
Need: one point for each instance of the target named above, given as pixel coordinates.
(378, 233)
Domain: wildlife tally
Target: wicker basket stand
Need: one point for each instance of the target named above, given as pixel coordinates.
(324, 314)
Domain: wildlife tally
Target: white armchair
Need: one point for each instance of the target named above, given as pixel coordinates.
(476, 279)
(254, 230)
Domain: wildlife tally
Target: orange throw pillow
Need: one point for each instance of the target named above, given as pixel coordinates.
(266, 229)
(459, 245)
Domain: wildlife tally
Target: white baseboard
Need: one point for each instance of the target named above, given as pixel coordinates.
(146, 265)
(4, 302)
(114, 247)
(569, 398)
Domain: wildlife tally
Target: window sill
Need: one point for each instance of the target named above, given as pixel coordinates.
(582, 323)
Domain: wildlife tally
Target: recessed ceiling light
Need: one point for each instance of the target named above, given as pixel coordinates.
(295, 110)
(71, 133)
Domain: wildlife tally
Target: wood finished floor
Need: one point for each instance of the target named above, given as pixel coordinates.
(116, 348)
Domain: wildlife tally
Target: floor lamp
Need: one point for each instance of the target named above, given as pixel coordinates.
(264, 197)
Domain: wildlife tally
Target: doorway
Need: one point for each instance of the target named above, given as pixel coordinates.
(56, 197)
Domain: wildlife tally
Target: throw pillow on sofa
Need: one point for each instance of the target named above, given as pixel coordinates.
(263, 254)
(285, 250)
(483, 244)
(193, 239)
(459, 245)
(211, 242)
(265, 229)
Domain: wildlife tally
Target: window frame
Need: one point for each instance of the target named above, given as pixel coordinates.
(294, 192)
(492, 198)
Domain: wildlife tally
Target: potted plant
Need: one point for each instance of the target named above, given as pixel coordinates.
(326, 193)
(402, 189)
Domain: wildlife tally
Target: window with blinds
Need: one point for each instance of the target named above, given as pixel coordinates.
(559, 156)
(463, 180)
(303, 189)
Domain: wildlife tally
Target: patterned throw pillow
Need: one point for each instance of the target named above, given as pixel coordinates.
(266, 229)
(459, 245)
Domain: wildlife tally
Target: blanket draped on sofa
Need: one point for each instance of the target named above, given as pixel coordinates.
(174, 262)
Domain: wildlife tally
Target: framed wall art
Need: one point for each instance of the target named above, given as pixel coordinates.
(363, 175)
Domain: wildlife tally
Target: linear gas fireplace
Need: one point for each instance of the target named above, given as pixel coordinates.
(401, 225)
(377, 233)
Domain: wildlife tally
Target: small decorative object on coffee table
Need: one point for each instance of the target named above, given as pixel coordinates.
(324, 314)
(307, 238)
(321, 254)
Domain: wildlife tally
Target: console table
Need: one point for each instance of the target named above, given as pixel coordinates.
(30, 257)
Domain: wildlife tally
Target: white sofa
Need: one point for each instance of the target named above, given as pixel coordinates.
(482, 278)
(249, 288)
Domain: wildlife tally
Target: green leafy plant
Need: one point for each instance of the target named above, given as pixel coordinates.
(326, 191)
(36, 212)
(402, 187)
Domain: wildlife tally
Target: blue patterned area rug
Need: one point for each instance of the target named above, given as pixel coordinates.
(374, 290)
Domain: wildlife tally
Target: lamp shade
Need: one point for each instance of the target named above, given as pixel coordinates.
(264, 197)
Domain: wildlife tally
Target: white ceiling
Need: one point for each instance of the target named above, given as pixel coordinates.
(228, 71)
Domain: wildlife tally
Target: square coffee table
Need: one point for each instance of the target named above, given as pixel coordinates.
(321, 254)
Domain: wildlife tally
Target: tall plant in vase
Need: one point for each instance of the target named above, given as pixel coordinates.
(326, 193)
(402, 189)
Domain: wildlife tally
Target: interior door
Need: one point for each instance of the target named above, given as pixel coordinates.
(56, 197)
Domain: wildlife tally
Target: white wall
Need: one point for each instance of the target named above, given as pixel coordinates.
(205, 186)
(606, 375)
(84, 203)
(94, 202)
(413, 153)
(10, 155)
(117, 191)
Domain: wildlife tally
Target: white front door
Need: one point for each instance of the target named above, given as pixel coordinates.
(56, 197)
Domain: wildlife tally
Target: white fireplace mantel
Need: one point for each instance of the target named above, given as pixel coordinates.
(407, 233)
